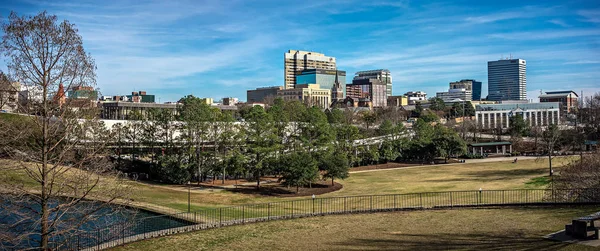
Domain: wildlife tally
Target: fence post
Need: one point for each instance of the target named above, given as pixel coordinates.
(345, 210)
(243, 215)
(502, 197)
(395, 204)
(220, 216)
(451, 203)
(313, 206)
(269, 211)
(371, 202)
(421, 200)
(526, 196)
(98, 239)
(292, 209)
(321, 206)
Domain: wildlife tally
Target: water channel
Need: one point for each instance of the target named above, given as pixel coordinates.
(83, 224)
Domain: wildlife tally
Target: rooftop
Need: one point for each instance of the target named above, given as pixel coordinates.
(501, 143)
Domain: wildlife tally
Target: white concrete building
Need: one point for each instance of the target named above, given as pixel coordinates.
(414, 97)
(490, 116)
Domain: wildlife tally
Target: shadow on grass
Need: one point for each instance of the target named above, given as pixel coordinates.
(282, 191)
(492, 175)
(453, 241)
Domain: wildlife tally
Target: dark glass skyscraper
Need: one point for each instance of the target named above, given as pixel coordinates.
(507, 80)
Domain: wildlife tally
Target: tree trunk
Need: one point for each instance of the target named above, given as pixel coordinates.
(257, 181)
(550, 162)
(297, 188)
(223, 179)
(332, 184)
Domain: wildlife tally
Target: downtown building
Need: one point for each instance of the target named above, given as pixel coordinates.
(309, 94)
(259, 95)
(491, 116)
(464, 90)
(415, 96)
(368, 91)
(382, 75)
(295, 62)
(507, 80)
(566, 99)
(333, 80)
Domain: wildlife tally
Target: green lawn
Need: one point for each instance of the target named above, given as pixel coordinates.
(470, 176)
(465, 229)
(488, 176)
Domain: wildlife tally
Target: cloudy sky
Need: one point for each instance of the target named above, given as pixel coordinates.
(220, 48)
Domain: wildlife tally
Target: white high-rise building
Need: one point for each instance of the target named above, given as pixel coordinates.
(297, 61)
(507, 80)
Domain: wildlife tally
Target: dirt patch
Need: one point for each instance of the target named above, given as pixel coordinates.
(382, 166)
(279, 190)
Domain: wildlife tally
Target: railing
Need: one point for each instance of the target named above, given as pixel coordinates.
(151, 227)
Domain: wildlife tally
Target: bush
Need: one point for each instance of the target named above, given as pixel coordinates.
(471, 156)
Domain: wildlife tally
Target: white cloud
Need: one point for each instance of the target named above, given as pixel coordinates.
(559, 22)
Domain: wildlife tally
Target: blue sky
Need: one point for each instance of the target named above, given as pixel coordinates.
(222, 48)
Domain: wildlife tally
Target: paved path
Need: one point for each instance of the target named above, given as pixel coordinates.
(469, 161)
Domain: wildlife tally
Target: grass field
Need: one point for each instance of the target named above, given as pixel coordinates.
(465, 229)
(470, 176)
(489, 176)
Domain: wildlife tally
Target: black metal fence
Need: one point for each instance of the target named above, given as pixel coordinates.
(151, 227)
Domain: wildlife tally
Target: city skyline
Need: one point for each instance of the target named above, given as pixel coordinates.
(218, 49)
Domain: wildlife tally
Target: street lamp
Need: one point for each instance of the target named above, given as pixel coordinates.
(189, 195)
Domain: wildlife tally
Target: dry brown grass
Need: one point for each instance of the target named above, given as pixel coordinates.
(470, 176)
(465, 229)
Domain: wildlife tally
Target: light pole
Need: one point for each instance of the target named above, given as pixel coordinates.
(189, 196)
(463, 120)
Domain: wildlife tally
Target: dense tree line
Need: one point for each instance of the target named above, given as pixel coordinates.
(298, 143)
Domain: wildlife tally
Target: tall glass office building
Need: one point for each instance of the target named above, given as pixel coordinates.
(383, 75)
(324, 78)
(507, 80)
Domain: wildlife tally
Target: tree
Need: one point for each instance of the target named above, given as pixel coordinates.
(448, 143)
(335, 116)
(298, 169)
(385, 128)
(550, 138)
(335, 165)
(133, 132)
(418, 110)
(316, 131)
(437, 104)
(581, 175)
(429, 117)
(368, 118)
(261, 141)
(44, 54)
(518, 127)
(388, 151)
(197, 118)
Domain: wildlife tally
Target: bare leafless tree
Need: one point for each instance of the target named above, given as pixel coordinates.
(581, 175)
(551, 137)
(58, 147)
